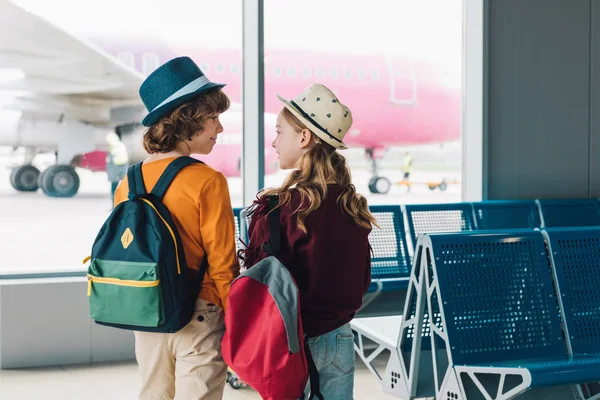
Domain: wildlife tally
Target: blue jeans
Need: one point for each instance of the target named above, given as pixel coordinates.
(333, 354)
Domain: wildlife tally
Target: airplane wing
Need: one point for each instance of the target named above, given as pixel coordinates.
(62, 74)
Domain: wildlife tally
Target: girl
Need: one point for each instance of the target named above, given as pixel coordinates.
(183, 120)
(325, 226)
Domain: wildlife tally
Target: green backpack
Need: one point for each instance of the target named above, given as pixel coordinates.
(138, 277)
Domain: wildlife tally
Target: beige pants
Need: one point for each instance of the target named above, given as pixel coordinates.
(186, 364)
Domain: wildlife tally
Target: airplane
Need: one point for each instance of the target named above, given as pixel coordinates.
(72, 91)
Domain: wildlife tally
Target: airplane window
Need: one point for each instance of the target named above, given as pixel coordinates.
(320, 72)
(235, 69)
(306, 72)
(361, 74)
(347, 73)
(220, 69)
(277, 71)
(292, 72)
(127, 58)
(375, 75)
(205, 67)
(334, 73)
(150, 62)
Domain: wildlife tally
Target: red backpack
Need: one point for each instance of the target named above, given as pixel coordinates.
(264, 342)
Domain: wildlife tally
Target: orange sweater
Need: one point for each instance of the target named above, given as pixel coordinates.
(199, 202)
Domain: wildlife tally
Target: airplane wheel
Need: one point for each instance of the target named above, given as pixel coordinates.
(443, 186)
(379, 185)
(235, 383)
(431, 187)
(25, 178)
(60, 181)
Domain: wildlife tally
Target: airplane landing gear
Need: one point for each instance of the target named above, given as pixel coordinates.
(59, 181)
(380, 185)
(25, 178)
(377, 184)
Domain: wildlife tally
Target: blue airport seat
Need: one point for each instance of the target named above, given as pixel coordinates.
(430, 218)
(501, 327)
(236, 219)
(380, 317)
(510, 214)
(390, 264)
(390, 257)
(576, 256)
(486, 281)
(570, 213)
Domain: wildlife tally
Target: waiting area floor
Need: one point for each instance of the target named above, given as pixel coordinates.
(120, 382)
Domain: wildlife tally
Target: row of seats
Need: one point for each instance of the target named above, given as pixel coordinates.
(379, 321)
(515, 314)
(512, 214)
(401, 225)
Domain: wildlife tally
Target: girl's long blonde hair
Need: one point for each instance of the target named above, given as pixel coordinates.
(318, 167)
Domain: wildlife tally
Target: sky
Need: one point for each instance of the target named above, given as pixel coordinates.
(419, 28)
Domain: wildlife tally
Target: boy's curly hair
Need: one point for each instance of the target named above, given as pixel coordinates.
(185, 122)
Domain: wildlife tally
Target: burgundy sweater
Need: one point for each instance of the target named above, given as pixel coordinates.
(331, 262)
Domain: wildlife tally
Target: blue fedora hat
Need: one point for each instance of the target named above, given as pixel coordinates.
(171, 85)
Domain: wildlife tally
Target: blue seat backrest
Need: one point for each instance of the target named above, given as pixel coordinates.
(576, 254)
(568, 213)
(236, 219)
(390, 251)
(509, 214)
(498, 296)
(429, 218)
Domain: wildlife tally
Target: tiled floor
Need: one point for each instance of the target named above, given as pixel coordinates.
(120, 382)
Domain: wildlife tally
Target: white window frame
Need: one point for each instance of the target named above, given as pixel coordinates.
(473, 122)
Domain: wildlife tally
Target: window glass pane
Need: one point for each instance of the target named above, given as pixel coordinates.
(140, 35)
(400, 74)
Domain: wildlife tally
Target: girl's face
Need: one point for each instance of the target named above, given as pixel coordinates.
(289, 143)
(204, 141)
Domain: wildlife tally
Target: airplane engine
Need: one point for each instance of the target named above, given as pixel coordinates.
(9, 127)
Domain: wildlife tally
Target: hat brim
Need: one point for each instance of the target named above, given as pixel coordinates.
(160, 112)
(317, 131)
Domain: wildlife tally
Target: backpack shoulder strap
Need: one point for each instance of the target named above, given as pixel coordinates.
(274, 244)
(169, 174)
(135, 180)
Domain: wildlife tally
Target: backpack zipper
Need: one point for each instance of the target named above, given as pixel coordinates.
(119, 282)
(170, 231)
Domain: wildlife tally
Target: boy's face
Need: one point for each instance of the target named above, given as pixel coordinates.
(204, 142)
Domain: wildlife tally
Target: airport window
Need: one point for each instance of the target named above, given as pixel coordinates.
(127, 58)
(73, 153)
(150, 62)
(404, 147)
